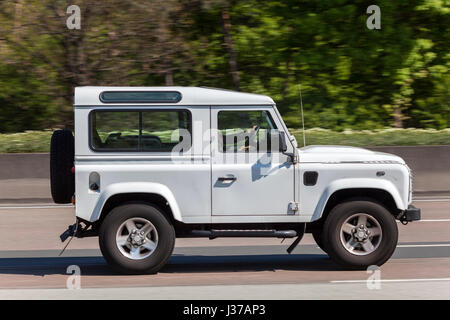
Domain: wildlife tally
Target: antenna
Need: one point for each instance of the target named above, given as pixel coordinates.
(303, 119)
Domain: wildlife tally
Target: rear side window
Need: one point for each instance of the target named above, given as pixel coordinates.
(138, 131)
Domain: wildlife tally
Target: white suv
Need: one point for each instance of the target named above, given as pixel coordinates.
(149, 164)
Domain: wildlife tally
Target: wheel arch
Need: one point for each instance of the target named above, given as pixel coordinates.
(153, 193)
(386, 195)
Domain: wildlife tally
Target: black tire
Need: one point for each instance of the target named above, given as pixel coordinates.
(317, 235)
(332, 239)
(62, 180)
(124, 264)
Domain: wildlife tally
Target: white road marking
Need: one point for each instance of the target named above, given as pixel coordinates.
(430, 220)
(418, 245)
(434, 220)
(423, 245)
(37, 207)
(391, 280)
(71, 206)
(432, 200)
(446, 196)
(55, 206)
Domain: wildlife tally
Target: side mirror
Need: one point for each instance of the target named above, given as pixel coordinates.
(283, 147)
(282, 141)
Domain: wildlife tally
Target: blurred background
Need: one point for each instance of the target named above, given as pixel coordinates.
(384, 89)
(352, 78)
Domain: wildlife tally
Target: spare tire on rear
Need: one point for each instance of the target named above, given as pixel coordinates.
(62, 179)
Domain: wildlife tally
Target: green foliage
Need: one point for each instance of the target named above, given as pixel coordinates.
(21, 105)
(380, 137)
(351, 77)
(39, 141)
(25, 142)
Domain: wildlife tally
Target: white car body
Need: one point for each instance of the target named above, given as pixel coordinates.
(188, 182)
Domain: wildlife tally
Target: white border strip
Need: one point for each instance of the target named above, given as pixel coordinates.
(392, 280)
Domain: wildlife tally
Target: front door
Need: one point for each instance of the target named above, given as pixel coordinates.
(250, 176)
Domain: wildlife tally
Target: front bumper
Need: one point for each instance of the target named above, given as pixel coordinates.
(410, 214)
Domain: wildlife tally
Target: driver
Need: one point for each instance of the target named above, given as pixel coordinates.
(253, 134)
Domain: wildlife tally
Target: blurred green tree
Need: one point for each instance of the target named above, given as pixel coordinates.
(351, 77)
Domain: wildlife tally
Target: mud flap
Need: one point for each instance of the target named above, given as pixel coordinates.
(301, 233)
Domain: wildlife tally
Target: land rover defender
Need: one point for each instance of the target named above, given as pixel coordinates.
(146, 165)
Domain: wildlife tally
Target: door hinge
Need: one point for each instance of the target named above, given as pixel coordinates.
(292, 157)
(293, 206)
(295, 160)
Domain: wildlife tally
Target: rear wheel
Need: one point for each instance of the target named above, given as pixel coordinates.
(359, 234)
(136, 238)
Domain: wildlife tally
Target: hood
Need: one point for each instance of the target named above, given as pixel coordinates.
(333, 154)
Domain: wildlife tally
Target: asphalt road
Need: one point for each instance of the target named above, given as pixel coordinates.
(239, 268)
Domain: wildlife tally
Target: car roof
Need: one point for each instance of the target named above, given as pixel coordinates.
(90, 96)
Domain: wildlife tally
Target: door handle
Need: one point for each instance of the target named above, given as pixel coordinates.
(227, 178)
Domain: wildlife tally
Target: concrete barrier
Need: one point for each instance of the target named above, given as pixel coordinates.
(25, 177)
(24, 166)
(430, 166)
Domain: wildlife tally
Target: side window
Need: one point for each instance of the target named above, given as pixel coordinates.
(245, 131)
(138, 131)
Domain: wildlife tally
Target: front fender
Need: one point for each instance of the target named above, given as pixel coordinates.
(136, 187)
(357, 183)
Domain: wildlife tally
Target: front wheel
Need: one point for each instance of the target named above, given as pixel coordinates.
(136, 238)
(317, 235)
(359, 234)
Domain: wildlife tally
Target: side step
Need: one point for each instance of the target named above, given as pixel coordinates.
(213, 234)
